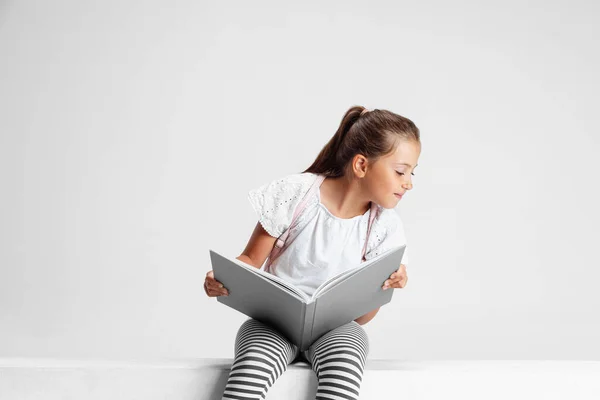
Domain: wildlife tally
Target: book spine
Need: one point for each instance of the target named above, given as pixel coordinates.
(307, 326)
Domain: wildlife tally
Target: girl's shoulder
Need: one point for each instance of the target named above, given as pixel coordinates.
(387, 217)
(287, 187)
(387, 232)
(274, 202)
(385, 221)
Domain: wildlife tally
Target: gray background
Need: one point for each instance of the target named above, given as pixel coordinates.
(131, 133)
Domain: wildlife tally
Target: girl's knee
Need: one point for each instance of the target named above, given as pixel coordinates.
(355, 336)
(362, 335)
(256, 335)
(350, 339)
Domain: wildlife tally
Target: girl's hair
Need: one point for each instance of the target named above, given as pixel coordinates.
(373, 134)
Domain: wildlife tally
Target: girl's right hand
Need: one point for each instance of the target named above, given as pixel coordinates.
(213, 287)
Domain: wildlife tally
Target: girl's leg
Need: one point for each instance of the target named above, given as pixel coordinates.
(261, 355)
(338, 357)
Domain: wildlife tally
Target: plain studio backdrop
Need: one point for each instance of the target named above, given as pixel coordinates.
(131, 133)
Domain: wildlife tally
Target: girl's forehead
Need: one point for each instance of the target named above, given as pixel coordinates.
(406, 152)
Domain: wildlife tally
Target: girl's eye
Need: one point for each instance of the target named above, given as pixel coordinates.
(402, 173)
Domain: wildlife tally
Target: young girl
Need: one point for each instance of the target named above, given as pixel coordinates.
(366, 167)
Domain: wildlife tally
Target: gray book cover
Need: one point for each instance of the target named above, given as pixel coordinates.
(299, 317)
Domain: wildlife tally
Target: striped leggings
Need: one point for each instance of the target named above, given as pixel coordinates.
(262, 354)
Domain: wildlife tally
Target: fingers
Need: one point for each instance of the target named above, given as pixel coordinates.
(213, 287)
(396, 280)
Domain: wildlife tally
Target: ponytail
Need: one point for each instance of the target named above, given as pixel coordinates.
(328, 161)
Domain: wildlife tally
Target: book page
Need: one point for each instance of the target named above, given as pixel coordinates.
(275, 279)
(330, 284)
(333, 281)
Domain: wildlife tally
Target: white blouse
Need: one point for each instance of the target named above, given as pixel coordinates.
(323, 245)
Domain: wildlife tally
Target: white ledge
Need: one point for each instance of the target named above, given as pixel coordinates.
(205, 379)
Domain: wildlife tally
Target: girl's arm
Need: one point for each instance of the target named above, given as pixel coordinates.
(367, 317)
(258, 248)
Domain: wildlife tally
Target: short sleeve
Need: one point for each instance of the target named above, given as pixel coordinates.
(387, 233)
(275, 202)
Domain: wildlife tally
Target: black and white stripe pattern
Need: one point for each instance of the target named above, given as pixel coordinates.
(262, 354)
(339, 357)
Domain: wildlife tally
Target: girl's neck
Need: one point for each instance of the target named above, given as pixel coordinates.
(343, 198)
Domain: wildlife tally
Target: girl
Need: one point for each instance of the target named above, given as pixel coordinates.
(365, 168)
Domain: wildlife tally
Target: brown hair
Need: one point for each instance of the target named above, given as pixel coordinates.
(373, 134)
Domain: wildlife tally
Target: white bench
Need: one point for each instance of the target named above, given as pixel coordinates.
(204, 379)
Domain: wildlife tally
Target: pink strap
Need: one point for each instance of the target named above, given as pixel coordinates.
(280, 243)
(316, 184)
(372, 215)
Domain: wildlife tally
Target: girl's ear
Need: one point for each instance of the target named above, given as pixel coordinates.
(360, 165)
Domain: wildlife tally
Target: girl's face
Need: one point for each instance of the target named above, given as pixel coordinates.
(392, 175)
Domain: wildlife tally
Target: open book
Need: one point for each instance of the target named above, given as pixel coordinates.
(302, 318)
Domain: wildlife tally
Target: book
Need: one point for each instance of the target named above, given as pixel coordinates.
(298, 316)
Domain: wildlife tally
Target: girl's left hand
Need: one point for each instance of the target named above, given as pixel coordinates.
(397, 280)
